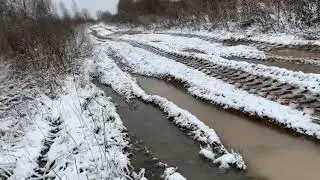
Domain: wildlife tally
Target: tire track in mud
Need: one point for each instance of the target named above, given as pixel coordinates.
(44, 166)
(266, 87)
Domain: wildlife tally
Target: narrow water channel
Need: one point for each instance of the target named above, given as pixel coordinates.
(306, 68)
(269, 153)
(166, 142)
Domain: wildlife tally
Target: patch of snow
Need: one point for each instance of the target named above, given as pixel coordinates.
(104, 30)
(224, 161)
(172, 174)
(207, 153)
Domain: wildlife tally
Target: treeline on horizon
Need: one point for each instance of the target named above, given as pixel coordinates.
(270, 14)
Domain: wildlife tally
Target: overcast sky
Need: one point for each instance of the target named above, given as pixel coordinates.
(94, 5)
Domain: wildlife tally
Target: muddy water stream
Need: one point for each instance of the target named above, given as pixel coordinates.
(166, 141)
(269, 153)
(306, 68)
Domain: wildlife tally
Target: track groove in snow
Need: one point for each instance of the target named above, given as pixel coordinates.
(44, 166)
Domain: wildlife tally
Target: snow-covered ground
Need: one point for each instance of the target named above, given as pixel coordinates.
(272, 38)
(78, 134)
(183, 44)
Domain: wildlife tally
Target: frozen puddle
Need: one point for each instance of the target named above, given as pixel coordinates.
(269, 153)
(306, 68)
(166, 142)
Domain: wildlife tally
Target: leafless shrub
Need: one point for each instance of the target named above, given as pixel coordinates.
(266, 14)
(40, 43)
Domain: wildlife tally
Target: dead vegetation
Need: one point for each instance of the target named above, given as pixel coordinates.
(38, 48)
(39, 43)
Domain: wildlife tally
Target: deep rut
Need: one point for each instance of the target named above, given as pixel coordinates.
(283, 93)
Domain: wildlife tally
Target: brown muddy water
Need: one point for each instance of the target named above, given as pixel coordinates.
(269, 153)
(166, 141)
(298, 53)
(306, 68)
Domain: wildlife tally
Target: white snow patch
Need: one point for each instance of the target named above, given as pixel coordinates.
(207, 153)
(172, 174)
(224, 161)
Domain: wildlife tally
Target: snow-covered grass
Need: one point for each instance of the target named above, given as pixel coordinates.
(19, 154)
(88, 143)
(92, 141)
(228, 96)
(110, 74)
(22, 125)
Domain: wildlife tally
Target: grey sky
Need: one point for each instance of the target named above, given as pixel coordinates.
(94, 5)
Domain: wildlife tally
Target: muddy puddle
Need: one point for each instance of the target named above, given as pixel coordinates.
(165, 141)
(269, 153)
(298, 53)
(306, 68)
